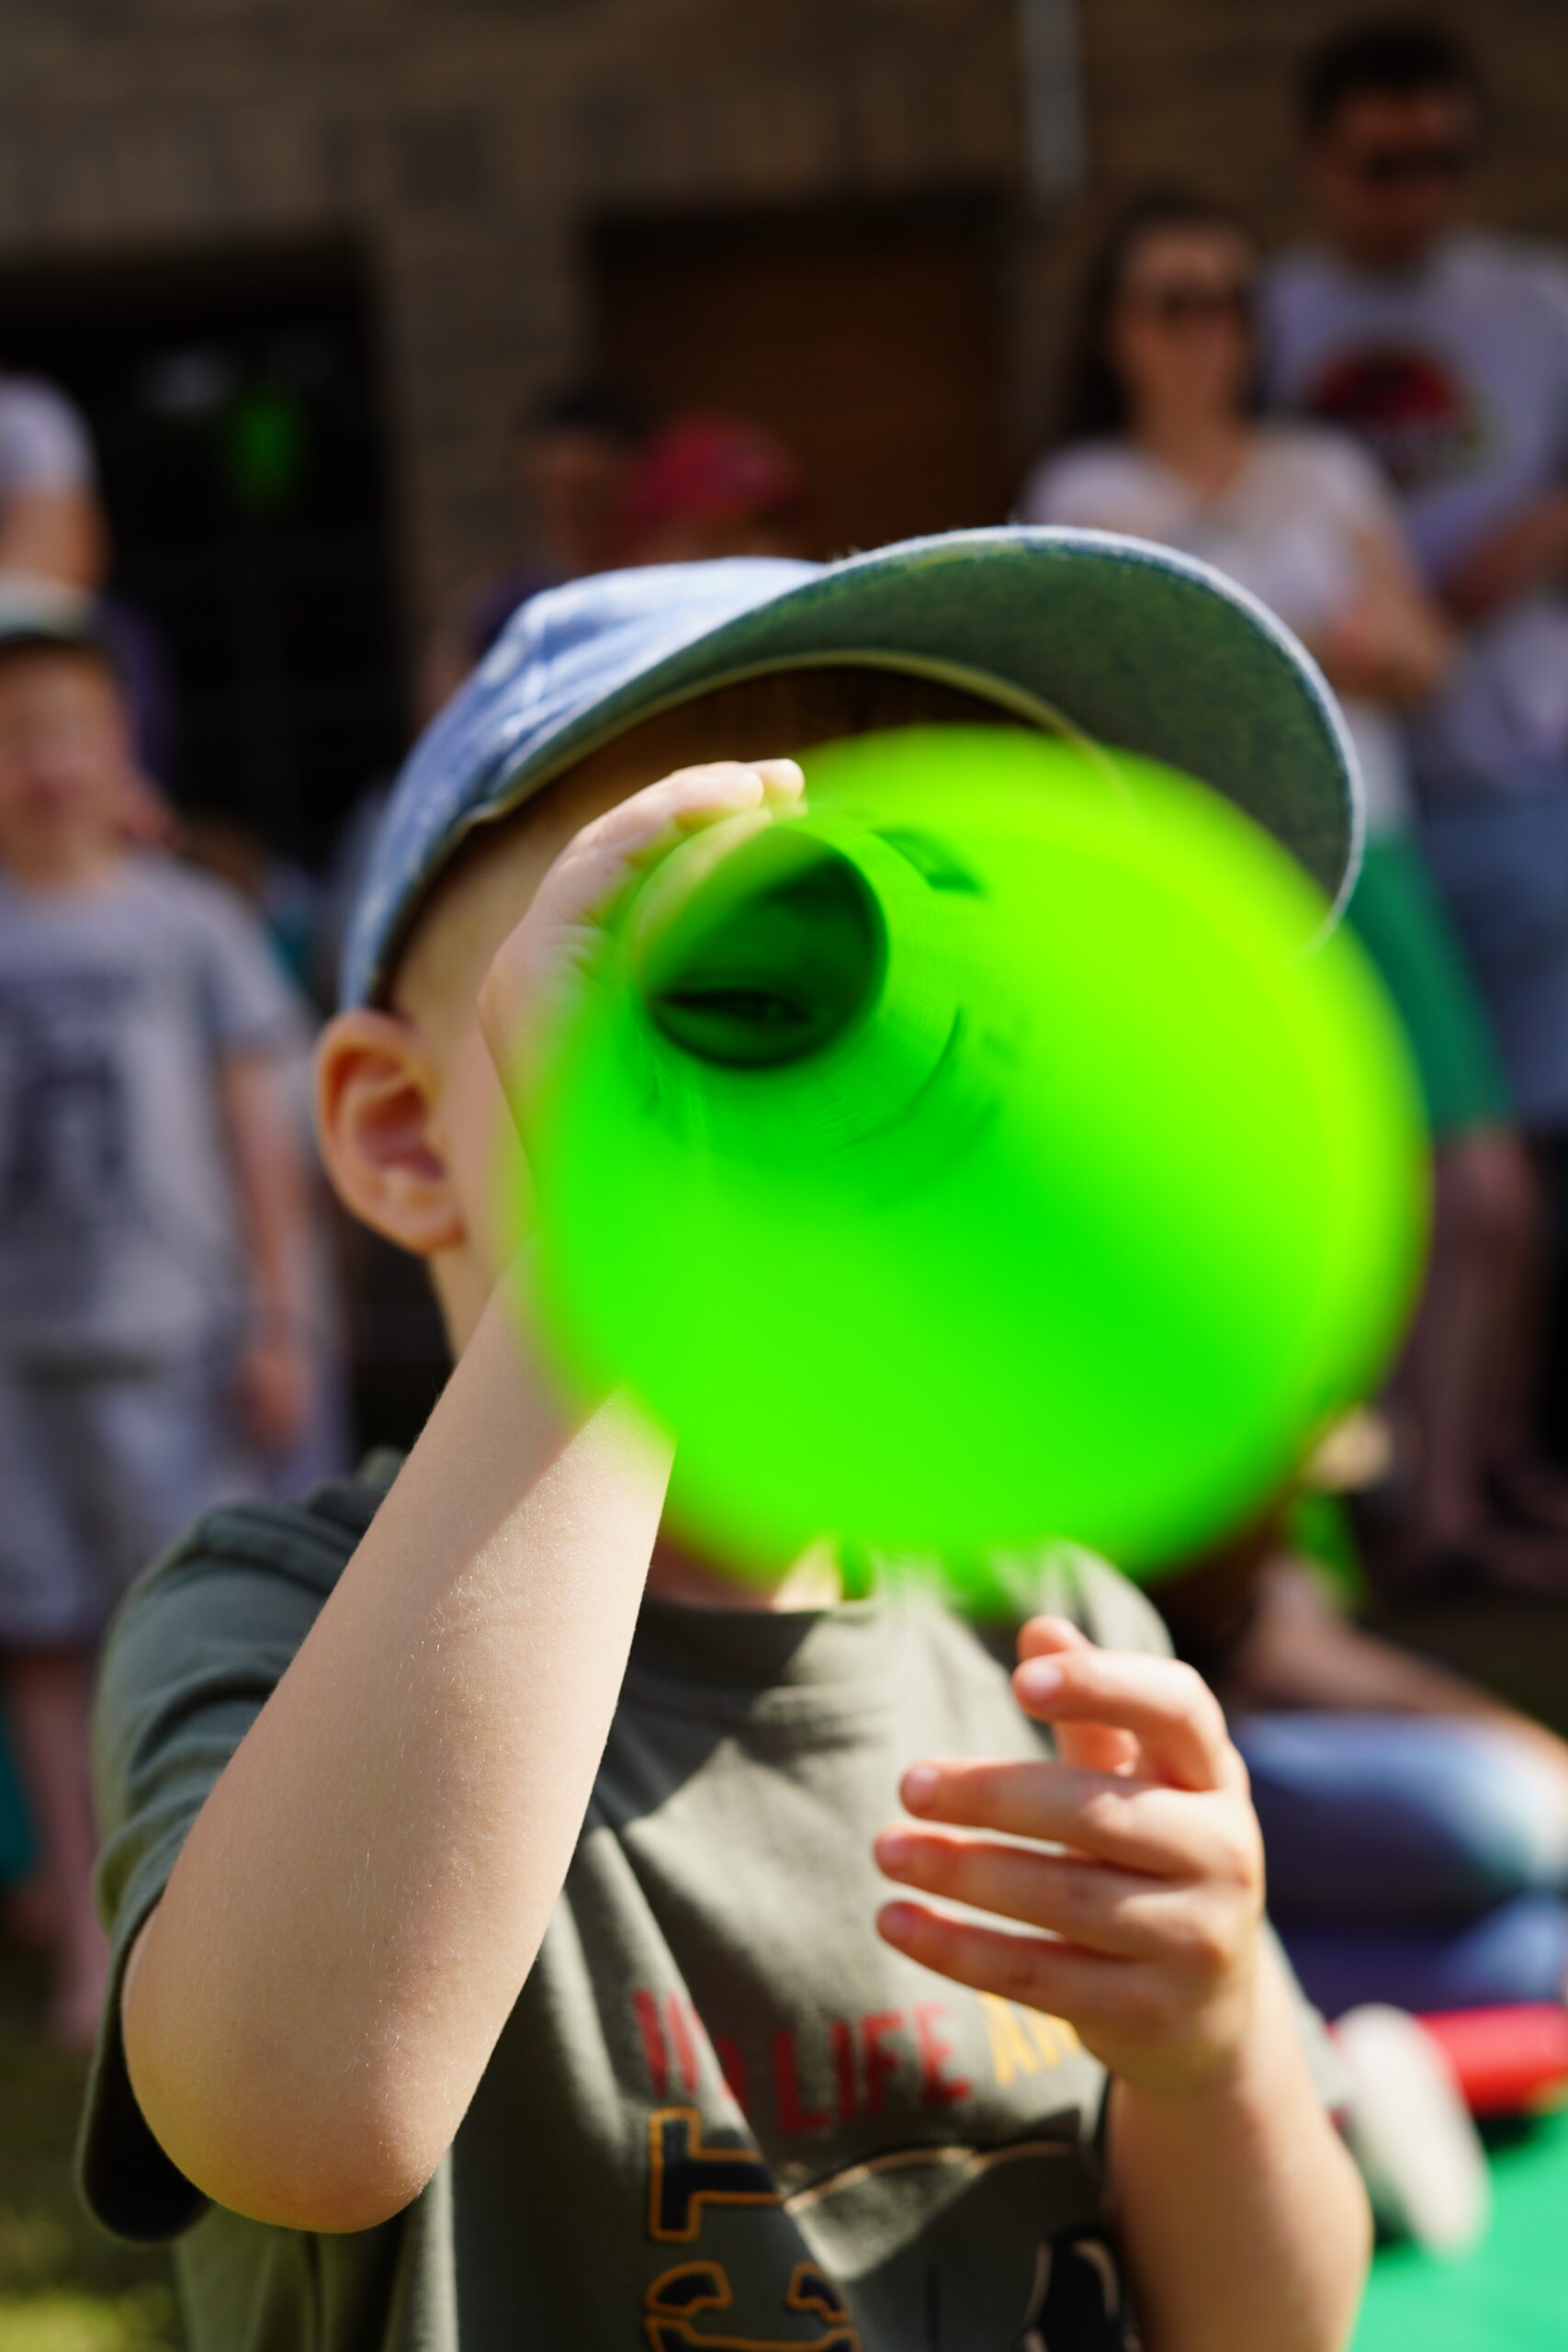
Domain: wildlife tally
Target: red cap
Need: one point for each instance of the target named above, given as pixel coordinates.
(710, 469)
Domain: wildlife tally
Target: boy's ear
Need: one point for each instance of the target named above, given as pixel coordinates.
(376, 1096)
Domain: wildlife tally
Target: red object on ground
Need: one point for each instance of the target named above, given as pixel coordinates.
(1506, 2062)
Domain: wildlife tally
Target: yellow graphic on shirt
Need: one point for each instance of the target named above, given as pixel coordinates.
(1022, 2041)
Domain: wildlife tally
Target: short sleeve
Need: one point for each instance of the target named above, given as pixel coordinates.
(247, 1004)
(44, 442)
(196, 1651)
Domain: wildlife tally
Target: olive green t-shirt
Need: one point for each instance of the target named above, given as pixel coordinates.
(722, 2113)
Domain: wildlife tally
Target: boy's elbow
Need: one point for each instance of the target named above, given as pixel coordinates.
(324, 2153)
(289, 2163)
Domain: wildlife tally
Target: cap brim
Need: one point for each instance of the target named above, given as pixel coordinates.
(1123, 641)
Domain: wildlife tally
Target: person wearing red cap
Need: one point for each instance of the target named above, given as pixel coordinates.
(709, 485)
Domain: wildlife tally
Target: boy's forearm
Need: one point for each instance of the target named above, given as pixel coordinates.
(1244, 2225)
(357, 1908)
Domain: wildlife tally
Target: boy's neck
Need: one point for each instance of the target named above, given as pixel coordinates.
(66, 865)
(675, 1574)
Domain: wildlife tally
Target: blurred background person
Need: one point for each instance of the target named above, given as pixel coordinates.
(1446, 352)
(1160, 436)
(54, 528)
(155, 1284)
(50, 525)
(570, 456)
(707, 486)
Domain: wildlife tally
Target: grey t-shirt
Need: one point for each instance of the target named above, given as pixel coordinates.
(1455, 376)
(722, 2113)
(119, 1217)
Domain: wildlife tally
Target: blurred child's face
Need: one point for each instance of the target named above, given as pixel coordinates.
(1391, 170)
(570, 477)
(64, 760)
(1181, 332)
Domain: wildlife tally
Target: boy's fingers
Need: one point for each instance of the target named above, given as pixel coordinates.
(590, 873)
(1171, 1711)
(1136, 1825)
(1090, 1903)
(1099, 1747)
(692, 796)
(1056, 1978)
(556, 939)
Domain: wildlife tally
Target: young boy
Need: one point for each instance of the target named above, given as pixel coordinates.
(150, 1199)
(499, 1894)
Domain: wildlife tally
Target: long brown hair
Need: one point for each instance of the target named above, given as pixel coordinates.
(1094, 400)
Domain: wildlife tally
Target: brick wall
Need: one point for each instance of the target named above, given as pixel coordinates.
(1232, 61)
(466, 144)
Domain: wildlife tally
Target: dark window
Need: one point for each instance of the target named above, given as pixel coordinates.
(234, 401)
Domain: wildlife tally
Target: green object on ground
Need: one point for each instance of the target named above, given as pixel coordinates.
(996, 1151)
(1511, 2294)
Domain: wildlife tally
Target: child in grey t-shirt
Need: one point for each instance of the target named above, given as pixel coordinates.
(153, 1272)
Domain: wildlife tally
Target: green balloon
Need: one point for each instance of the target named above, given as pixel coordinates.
(996, 1150)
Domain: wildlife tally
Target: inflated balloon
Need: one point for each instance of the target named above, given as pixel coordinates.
(996, 1150)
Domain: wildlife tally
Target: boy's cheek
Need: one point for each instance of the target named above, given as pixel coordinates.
(485, 1164)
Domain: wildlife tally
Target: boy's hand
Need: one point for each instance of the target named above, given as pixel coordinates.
(1151, 1910)
(532, 983)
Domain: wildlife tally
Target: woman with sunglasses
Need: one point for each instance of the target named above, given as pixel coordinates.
(1163, 440)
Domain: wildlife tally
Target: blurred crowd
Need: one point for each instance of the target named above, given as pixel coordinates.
(1370, 433)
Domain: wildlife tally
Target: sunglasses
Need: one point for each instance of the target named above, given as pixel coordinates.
(1195, 305)
(1413, 167)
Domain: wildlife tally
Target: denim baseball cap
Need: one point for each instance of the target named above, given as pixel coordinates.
(1117, 639)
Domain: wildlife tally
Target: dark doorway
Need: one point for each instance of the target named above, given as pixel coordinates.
(233, 398)
(865, 335)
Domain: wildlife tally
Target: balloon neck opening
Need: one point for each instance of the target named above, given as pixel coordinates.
(795, 983)
(774, 958)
